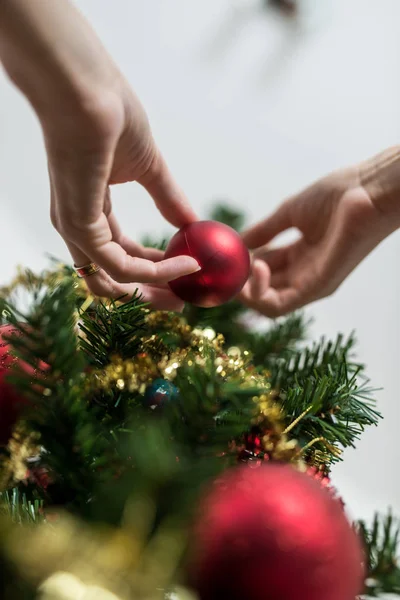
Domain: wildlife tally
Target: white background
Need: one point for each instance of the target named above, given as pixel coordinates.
(248, 107)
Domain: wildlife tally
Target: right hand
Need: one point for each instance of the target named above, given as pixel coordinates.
(109, 142)
(340, 222)
(96, 134)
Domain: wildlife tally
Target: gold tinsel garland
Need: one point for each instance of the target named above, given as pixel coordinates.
(21, 447)
(201, 347)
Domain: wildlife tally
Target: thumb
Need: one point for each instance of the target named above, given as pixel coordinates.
(167, 195)
(258, 282)
(266, 230)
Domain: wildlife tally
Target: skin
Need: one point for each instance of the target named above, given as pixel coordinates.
(96, 134)
(341, 219)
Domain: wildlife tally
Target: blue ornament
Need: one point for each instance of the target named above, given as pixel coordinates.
(159, 393)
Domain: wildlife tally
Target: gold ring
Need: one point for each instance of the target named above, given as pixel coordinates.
(87, 270)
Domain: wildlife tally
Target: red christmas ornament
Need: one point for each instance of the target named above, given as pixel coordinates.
(274, 533)
(324, 480)
(11, 401)
(222, 256)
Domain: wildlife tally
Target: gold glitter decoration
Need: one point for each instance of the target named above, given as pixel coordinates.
(29, 281)
(170, 364)
(197, 346)
(168, 322)
(334, 450)
(14, 467)
(270, 421)
(131, 375)
(206, 338)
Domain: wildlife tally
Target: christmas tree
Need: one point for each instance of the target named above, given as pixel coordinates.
(147, 454)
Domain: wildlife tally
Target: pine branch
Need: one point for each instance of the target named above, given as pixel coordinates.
(76, 444)
(225, 214)
(276, 346)
(19, 509)
(159, 468)
(149, 242)
(79, 452)
(382, 547)
(45, 339)
(113, 329)
(269, 349)
(331, 391)
(209, 412)
(223, 319)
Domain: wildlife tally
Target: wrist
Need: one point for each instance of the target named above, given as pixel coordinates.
(52, 55)
(380, 177)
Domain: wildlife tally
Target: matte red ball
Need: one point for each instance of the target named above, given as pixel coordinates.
(273, 533)
(11, 400)
(222, 256)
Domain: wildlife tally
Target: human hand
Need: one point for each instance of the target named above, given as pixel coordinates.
(86, 154)
(341, 218)
(96, 134)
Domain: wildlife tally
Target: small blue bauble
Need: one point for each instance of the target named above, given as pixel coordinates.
(159, 393)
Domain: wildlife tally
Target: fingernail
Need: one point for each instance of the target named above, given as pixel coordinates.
(198, 267)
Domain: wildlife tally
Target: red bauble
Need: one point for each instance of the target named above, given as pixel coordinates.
(273, 533)
(11, 401)
(222, 256)
(324, 480)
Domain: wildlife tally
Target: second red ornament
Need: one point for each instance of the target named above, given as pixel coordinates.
(273, 533)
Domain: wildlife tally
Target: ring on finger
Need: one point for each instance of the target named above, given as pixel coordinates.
(87, 270)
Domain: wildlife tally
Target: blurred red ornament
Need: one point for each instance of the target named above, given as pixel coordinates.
(11, 401)
(274, 534)
(39, 476)
(222, 256)
(250, 448)
(324, 480)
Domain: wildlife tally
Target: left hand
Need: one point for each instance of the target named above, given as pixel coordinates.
(340, 220)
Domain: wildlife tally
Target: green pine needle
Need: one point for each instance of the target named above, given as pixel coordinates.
(324, 382)
(19, 509)
(382, 548)
(113, 329)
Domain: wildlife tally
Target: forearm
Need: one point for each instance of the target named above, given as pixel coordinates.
(47, 45)
(380, 176)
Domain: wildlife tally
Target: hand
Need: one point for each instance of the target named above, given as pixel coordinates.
(96, 134)
(109, 143)
(339, 222)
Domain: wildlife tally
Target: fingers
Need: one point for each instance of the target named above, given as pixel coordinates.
(276, 258)
(100, 242)
(270, 292)
(130, 246)
(258, 282)
(270, 301)
(102, 285)
(275, 303)
(123, 268)
(167, 195)
(162, 298)
(266, 230)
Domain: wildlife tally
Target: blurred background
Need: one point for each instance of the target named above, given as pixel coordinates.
(249, 101)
